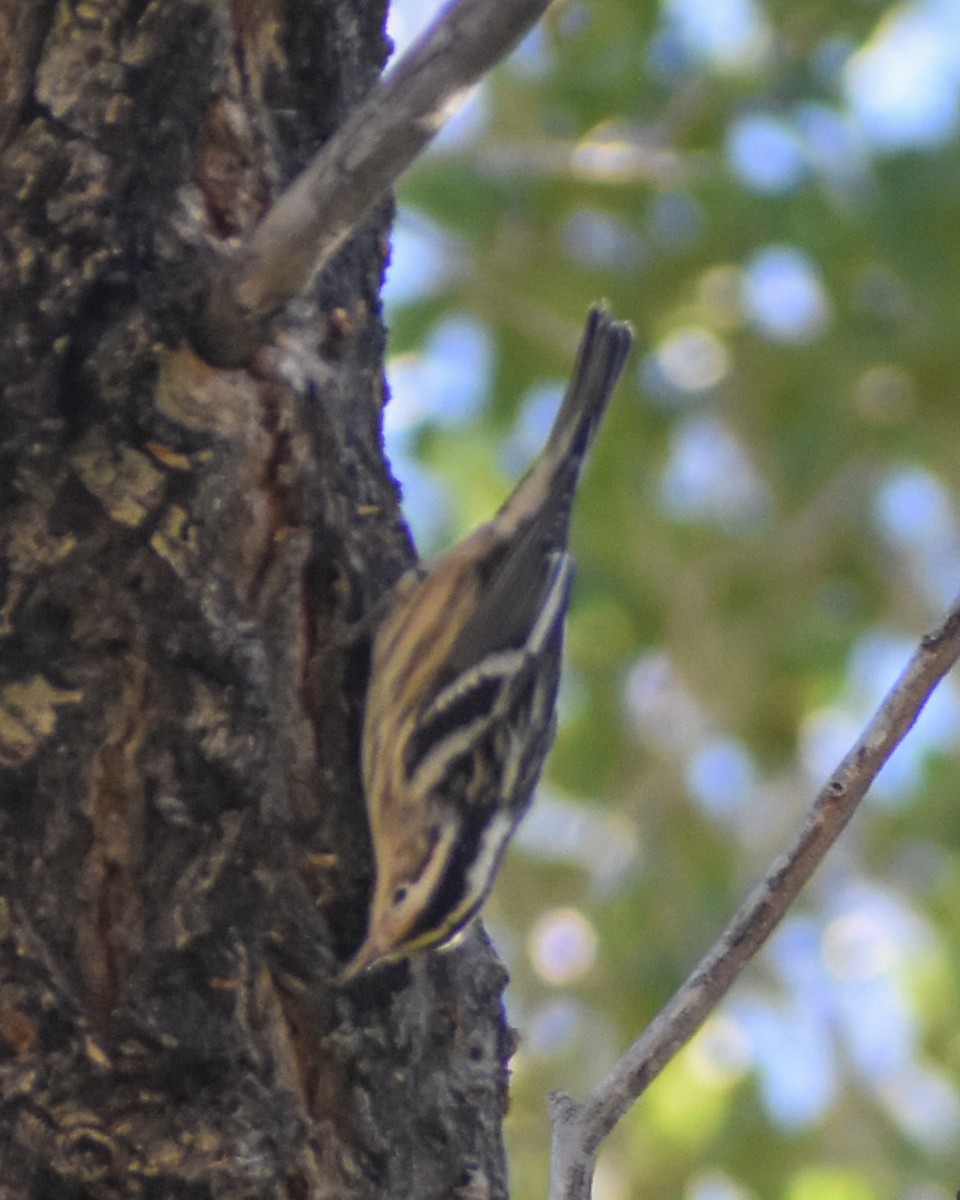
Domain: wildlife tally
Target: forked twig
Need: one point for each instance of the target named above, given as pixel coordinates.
(327, 201)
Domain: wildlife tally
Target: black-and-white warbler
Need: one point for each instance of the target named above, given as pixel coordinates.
(464, 675)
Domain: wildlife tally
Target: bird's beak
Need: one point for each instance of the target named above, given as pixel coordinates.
(369, 953)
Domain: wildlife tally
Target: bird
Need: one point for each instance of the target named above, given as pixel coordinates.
(465, 666)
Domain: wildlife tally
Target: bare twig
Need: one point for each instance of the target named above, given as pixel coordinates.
(578, 1130)
(324, 205)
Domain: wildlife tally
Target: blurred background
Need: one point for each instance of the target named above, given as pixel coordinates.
(770, 193)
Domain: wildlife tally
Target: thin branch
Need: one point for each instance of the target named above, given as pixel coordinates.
(327, 201)
(578, 1130)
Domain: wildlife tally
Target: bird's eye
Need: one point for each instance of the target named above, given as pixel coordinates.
(400, 895)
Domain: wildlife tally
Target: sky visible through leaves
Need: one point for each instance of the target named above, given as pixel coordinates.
(769, 193)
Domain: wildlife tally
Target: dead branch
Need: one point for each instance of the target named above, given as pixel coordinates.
(579, 1129)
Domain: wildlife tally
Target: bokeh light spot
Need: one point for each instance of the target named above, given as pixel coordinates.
(766, 154)
(784, 296)
(721, 1052)
(856, 947)
(689, 360)
(562, 946)
(714, 1185)
(658, 705)
(597, 239)
(721, 777)
(903, 84)
(731, 35)
(709, 477)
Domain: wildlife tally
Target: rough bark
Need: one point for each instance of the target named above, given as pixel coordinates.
(183, 853)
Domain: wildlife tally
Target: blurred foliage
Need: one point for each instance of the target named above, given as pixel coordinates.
(768, 523)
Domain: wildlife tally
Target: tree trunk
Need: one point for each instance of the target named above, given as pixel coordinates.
(184, 862)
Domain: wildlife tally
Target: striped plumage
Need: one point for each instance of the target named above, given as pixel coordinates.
(464, 675)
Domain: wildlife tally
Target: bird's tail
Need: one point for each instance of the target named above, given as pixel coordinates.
(600, 360)
(603, 351)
